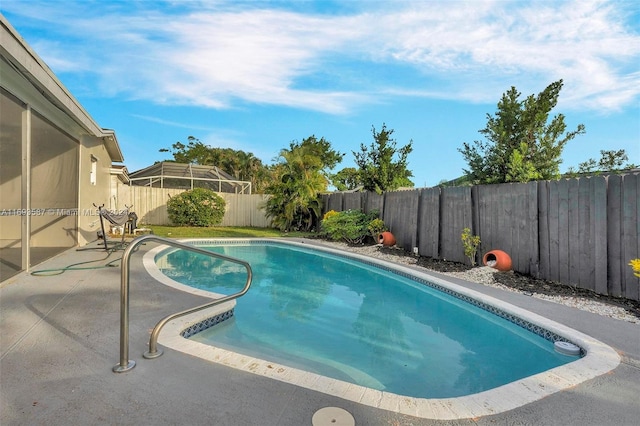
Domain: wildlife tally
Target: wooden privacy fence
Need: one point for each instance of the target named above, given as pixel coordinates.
(150, 204)
(581, 232)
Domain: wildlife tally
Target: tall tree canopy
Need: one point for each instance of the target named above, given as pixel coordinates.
(297, 180)
(346, 179)
(521, 143)
(239, 164)
(378, 170)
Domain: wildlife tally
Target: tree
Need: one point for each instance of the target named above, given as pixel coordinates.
(610, 161)
(346, 179)
(297, 180)
(521, 143)
(327, 158)
(195, 152)
(376, 166)
(239, 164)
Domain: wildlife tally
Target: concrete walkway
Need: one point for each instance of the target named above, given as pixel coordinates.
(59, 339)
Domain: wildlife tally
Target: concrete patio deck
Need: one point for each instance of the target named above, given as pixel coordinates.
(59, 339)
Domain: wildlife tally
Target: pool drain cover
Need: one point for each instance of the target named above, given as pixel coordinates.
(332, 416)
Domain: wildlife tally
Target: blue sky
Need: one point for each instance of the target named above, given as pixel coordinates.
(256, 75)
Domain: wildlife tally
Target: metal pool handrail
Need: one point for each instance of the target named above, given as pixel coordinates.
(125, 363)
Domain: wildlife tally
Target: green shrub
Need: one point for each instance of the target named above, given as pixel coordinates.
(351, 226)
(198, 207)
(376, 227)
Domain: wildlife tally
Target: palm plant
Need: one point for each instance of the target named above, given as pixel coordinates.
(296, 183)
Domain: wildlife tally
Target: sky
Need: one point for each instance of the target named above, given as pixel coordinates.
(258, 75)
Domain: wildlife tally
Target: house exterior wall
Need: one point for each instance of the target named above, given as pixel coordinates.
(92, 150)
(48, 144)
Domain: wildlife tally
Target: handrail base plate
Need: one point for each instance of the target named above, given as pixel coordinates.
(123, 369)
(152, 355)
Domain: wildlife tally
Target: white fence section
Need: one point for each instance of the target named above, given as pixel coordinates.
(150, 204)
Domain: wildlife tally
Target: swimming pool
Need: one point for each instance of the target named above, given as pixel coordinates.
(395, 332)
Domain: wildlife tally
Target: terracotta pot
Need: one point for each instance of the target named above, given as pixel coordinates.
(386, 239)
(497, 259)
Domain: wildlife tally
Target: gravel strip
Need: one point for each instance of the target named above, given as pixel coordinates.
(486, 276)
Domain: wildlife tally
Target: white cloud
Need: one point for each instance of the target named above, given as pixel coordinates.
(223, 55)
(170, 123)
(478, 44)
(57, 58)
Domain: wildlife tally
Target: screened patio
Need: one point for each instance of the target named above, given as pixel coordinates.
(188, 176)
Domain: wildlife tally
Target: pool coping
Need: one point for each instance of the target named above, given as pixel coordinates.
(598, 358)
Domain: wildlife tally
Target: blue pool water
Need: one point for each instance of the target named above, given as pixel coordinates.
(344, 319)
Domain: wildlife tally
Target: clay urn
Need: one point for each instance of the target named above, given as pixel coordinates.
(497, 259)
(386, 239)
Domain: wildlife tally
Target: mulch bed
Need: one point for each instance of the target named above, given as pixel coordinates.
(524, 283)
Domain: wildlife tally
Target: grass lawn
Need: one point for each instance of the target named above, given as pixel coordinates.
(223, 232)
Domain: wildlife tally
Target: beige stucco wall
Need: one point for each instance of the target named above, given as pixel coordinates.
(88, 220)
